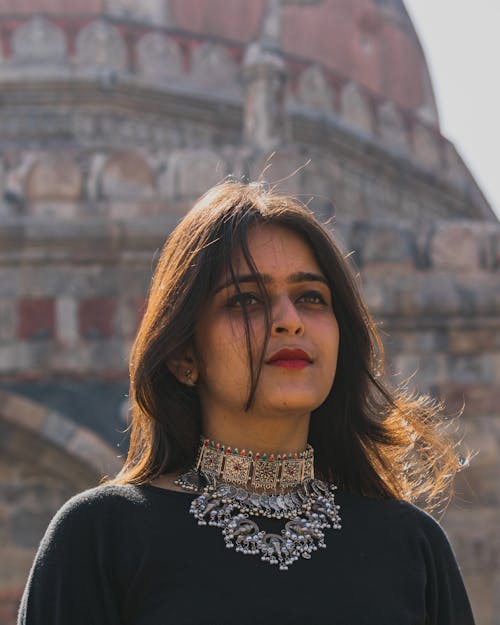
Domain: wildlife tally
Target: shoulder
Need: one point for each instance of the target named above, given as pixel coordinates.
(104, 497)
(97, 507)
(420, 522)
(391, 515)
(107, 495)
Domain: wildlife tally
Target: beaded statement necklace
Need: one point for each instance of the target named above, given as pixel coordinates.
(237, 485)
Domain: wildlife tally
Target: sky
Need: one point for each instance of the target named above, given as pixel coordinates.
(462, 45)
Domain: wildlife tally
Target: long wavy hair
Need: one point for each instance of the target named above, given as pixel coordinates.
(369, 438)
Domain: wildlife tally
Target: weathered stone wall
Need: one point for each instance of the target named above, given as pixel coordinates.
(71, 298)
(123, 58)
(436, 294)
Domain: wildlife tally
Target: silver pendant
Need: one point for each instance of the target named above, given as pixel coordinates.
(195, 481)
(309, 510)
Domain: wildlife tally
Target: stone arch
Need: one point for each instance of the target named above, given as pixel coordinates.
(80, 444)
(38, 41)
(159, 57)
(355, 108)
(44, 460)
(100, 45)
(196, 170)
(127, 176)
(450, 237)
(212, 65)
(54, 177)
(314, 91)
(391, 126)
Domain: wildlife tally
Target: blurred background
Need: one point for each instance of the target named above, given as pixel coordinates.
(115, 115)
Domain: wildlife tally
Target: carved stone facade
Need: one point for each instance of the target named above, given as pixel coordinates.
(108, 142)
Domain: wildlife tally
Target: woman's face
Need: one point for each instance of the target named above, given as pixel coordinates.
(302, 318)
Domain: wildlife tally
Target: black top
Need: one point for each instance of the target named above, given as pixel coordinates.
(127, 555)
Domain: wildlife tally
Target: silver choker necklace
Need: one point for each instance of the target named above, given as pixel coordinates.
(308, 507)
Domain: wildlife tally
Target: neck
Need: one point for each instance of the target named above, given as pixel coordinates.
(270, 434)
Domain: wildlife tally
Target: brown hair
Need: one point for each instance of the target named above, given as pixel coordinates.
(368, 438)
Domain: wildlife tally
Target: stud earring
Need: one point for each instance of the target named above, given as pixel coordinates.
(189, 377)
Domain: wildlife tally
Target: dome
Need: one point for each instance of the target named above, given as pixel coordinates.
(371, 42)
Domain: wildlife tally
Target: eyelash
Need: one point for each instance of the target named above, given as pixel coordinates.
(242, 298)
(238, 300)
(316, 295)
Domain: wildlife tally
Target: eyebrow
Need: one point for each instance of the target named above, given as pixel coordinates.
(294, 278)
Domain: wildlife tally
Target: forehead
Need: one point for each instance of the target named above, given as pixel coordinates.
(275, 248)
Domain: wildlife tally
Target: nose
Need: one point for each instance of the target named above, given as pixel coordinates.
(286, 318)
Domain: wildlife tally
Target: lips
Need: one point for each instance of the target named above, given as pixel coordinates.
(290, 359)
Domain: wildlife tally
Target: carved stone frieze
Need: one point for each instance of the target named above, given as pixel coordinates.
(38, 41)
(159, 57)
(355, 108)
(426, 146)
(211, 64)
(127, 176)
(314, 91)
(391, 127)
(100, 45)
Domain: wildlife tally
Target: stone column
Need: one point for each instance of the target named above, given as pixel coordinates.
(270, 30)
(264, 79)
(167, 16)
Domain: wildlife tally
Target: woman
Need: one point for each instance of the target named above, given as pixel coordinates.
(257, 367)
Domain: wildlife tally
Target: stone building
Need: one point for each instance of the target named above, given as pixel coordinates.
(115, 115)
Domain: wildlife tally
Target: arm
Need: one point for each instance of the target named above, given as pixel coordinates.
(446, 597)
(71, 577)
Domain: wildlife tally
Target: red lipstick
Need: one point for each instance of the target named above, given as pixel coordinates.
(290, 359)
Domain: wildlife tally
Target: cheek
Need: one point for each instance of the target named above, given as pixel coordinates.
(221, 348)
(231, 333)
(335, 334)
(332, 337)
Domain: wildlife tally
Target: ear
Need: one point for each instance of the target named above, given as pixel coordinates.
(184, 367)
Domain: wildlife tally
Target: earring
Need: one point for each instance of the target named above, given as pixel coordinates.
(189, 377)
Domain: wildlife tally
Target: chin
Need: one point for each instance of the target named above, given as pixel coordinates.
(293, 403)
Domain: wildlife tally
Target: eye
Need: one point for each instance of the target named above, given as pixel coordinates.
(243, 299)
(313, 297)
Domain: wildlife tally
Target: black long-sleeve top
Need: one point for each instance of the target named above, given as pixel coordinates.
(128, 555)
